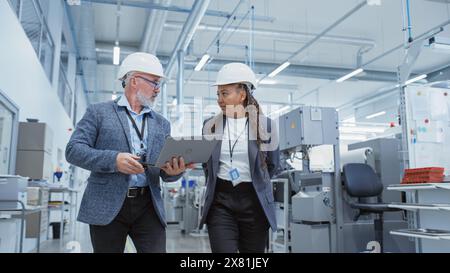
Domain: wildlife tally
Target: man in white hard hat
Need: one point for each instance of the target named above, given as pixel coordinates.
(116, 140)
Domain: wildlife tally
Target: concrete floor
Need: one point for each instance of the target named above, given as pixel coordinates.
(79, 241)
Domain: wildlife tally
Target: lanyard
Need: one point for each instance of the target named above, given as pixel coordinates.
(141, 133)
(229, 140)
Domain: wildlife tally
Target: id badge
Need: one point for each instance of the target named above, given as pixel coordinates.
(234, 175)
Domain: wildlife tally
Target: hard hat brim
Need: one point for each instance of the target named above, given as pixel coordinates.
(226, 83)
(161, 76)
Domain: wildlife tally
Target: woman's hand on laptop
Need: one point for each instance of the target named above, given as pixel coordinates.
(176, 166)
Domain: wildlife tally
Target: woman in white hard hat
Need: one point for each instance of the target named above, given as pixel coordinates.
(239, 205)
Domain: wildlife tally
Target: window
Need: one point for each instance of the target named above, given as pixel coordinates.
(9, 113)
(65, 93)
(32, 15)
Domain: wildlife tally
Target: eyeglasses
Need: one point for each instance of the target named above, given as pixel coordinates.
(156, 85)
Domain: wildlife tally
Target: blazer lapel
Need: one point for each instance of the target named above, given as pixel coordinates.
(252, 154)
(218, 130)
(252, 151)
(151, 143)
(216, 157)
(120, 111)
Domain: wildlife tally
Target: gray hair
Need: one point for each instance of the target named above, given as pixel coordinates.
(126, 78)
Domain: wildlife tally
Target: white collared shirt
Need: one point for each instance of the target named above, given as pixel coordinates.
(238, 131)
(138, 180)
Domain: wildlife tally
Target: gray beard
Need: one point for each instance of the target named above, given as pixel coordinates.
(145, 102)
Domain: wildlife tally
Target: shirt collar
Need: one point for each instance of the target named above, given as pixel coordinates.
(123, 101)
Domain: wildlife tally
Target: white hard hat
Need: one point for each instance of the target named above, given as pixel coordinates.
(141, 62)
(236, 73)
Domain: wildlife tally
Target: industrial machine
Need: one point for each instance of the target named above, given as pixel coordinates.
(384, 159)
(316, 221)
(321, 219)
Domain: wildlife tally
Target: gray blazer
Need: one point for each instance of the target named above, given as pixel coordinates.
(101, 134)
(260, 176)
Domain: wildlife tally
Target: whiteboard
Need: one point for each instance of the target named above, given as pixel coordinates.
(428, 115)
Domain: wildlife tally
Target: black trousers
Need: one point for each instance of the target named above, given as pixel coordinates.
(138, 219)
(236, 220)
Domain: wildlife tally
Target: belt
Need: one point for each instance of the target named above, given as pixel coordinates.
(137, 191)
(227, 186)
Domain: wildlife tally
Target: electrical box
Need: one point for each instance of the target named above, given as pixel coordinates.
(308, 125)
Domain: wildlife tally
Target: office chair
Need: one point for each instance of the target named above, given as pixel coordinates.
(361, 181)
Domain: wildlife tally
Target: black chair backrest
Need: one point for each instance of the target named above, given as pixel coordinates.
(360, 180)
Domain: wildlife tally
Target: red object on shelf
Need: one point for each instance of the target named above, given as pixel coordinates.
(423, 175)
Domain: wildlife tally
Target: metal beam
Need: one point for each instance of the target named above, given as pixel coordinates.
(433, 31)
(149, 5)
(281, 34)
(389, 90)
(180, 81)
(190, 27)
(305, 71)
(442, 74)
(110, 92)
(321, 34)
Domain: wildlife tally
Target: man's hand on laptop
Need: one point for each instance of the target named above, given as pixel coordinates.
(176, 166)
(129, 164)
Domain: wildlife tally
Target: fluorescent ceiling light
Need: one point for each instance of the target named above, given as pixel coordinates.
(282, 109)
(418, 78)
(440, 46)
(351, 119)
(116, 56)
(279, 69)
(202, 62)
(439, 42)
(376, 115)
(352, 137)
(268, 81)
(349, 75)
(350, 122)
(374, 2)
(361, 129)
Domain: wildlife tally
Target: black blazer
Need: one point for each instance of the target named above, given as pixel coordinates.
(260, 176)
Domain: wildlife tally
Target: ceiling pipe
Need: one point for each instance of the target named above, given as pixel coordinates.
(154, 28)
(149, 5)
(281, 35)
(86, 43)
(77, 51)
(306, 71)
(189, 29)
